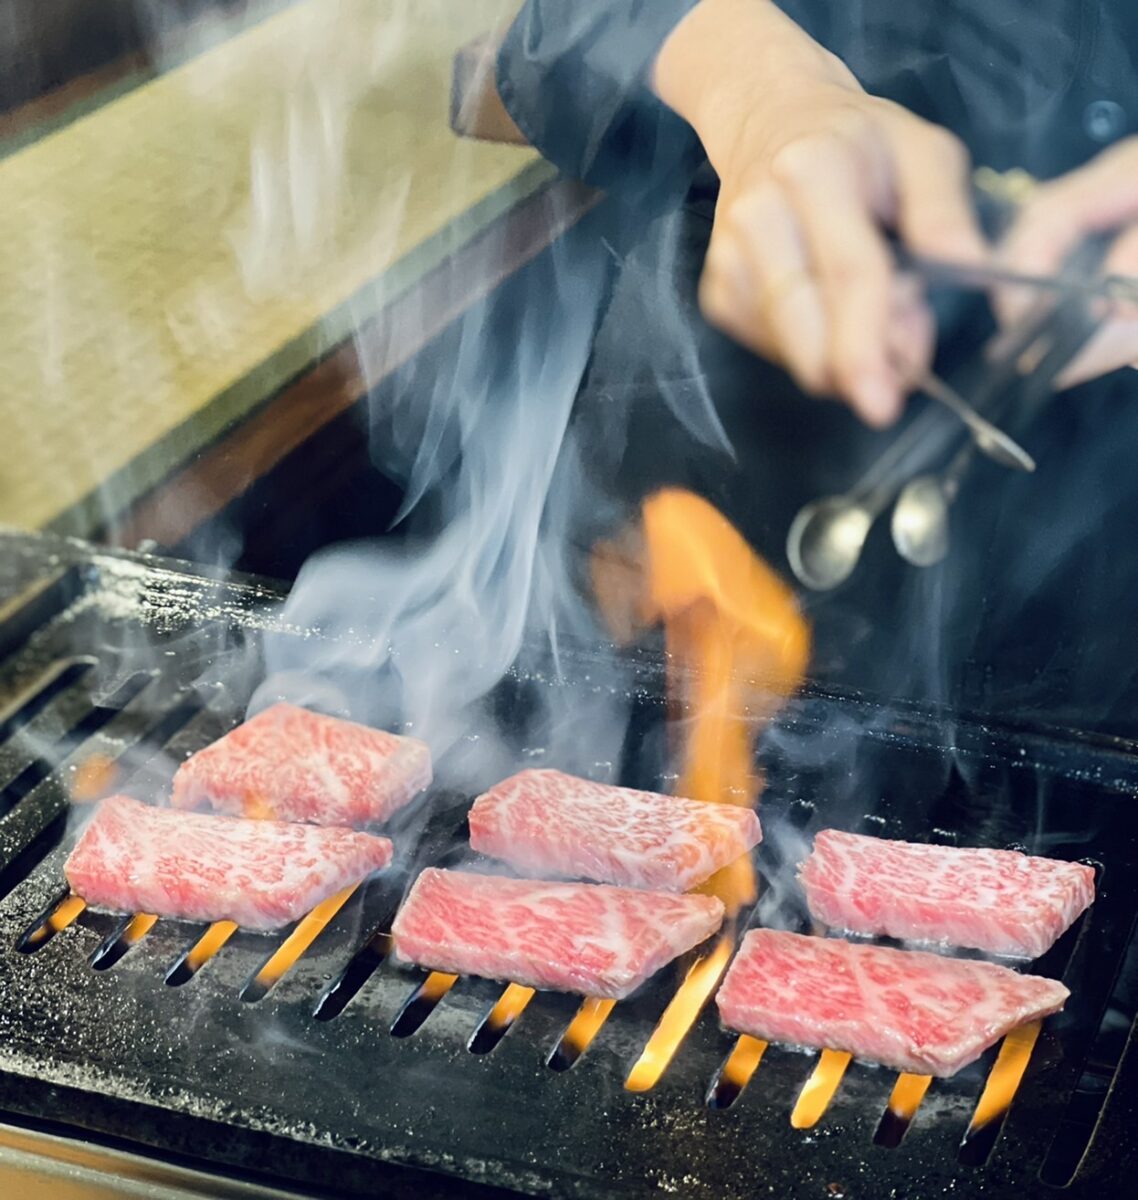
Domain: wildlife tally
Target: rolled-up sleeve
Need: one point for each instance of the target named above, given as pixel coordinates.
(573, 74)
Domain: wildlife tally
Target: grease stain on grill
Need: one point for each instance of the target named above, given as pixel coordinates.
(129, 933)
(421, 1003)
(799, 813)
(580, 1032)
(361, 966)
(500, 1019)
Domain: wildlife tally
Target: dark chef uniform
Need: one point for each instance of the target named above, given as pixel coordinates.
(1035, 612)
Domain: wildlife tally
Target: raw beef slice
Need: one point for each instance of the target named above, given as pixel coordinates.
(907, 1009)
(296, 765)
(261, 874)
(996, 900)
(548, 823)
(568, 937)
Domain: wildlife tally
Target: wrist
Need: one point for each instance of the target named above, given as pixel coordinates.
(728, 61)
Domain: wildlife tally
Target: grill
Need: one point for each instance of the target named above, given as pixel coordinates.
(344, 1074)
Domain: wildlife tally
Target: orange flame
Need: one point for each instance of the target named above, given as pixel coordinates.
(301, 938)
(743, 1061)
(94, 778)
(737, 644)
(907, 1094)
(679, 1017)
(435, 987)
(1005, 1077)
(585, 1026)
(64, 914)
(511, 1004)
(209, 943)
(138, 927)
(819, 1089)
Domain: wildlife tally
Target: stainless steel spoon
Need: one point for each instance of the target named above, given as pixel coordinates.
(921, 515)
(826, 538)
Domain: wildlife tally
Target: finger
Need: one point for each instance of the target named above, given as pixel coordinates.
(1098, 197)
(757, 286)
(1116, 345)
(853, 267)
(912, 331)
(935, 215)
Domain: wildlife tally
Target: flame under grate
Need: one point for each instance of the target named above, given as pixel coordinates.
(666, 1040)
(581, 1097)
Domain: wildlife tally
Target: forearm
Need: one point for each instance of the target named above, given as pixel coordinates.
(731, 56)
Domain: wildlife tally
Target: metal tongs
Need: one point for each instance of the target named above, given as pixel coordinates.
(1016, 374)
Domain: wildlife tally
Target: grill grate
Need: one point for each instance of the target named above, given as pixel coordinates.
(313, 1056)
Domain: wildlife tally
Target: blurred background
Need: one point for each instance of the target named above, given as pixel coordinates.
(259, 298)
(202, 200)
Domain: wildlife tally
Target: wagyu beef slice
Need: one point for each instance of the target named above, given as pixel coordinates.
(548, 823)
(995, 900)
(295, 765)
(907, 1009)
(200, 867)
(570, 937)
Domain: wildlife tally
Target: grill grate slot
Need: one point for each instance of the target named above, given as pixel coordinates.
(26, 707)
(95, 720)
(738, 1067)
(282, 960)
(361, 966)
(999, 1091)
(148, 769)
(199, 952)
(580, 1032)
(904, 1101)
(681, 1014)
(128, 934)
(500, 1019)
(421, 1003)
(820, 1088)
(58, 917)
(1076, 1132)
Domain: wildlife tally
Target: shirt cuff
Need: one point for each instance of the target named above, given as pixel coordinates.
(573, 77)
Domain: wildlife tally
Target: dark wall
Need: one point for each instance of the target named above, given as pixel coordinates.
(45, 44)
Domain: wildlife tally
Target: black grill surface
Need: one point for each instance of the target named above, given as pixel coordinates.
(143, 662)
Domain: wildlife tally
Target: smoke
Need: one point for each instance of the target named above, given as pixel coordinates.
(497, 433)
(422, 628)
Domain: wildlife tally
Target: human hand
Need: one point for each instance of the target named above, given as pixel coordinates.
(813, 170)
(1099, 198)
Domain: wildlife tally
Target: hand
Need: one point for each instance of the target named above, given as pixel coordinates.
(1098, 198)
(812, 171)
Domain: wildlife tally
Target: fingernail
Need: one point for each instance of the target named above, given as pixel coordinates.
(876, 400)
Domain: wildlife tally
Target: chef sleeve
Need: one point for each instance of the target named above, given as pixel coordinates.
(573, 76)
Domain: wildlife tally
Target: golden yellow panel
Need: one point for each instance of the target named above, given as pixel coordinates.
(174, 255)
